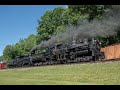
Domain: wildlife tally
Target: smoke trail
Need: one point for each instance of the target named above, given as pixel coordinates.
(84, 29)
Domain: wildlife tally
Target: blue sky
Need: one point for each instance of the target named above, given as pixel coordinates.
(19, 21)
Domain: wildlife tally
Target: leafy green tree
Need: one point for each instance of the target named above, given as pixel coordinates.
(2, 58)
(9, 52)
(49, 23)
(20, 48)
(25, 45)
(109, 40)
(92, 11)
(60, 29)
(30, 42)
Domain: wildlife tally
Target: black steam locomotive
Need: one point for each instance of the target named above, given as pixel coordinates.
(84, 51)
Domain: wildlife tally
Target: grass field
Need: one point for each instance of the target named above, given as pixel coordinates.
(75, 74)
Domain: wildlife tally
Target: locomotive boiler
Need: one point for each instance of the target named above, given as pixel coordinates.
(86, 50)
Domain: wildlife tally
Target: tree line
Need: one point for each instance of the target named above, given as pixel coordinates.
(54, 22)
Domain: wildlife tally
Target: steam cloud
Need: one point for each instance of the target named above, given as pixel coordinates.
(105, 27)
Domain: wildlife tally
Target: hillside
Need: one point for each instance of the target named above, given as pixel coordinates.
(75, 74)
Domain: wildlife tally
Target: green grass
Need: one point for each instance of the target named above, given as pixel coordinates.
(75, 74)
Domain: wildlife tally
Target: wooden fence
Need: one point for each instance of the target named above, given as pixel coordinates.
(111, 52)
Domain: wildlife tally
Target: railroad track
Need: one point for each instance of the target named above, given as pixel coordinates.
(87, 62)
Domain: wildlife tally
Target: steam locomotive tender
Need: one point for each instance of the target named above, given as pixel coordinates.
(86, 50)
